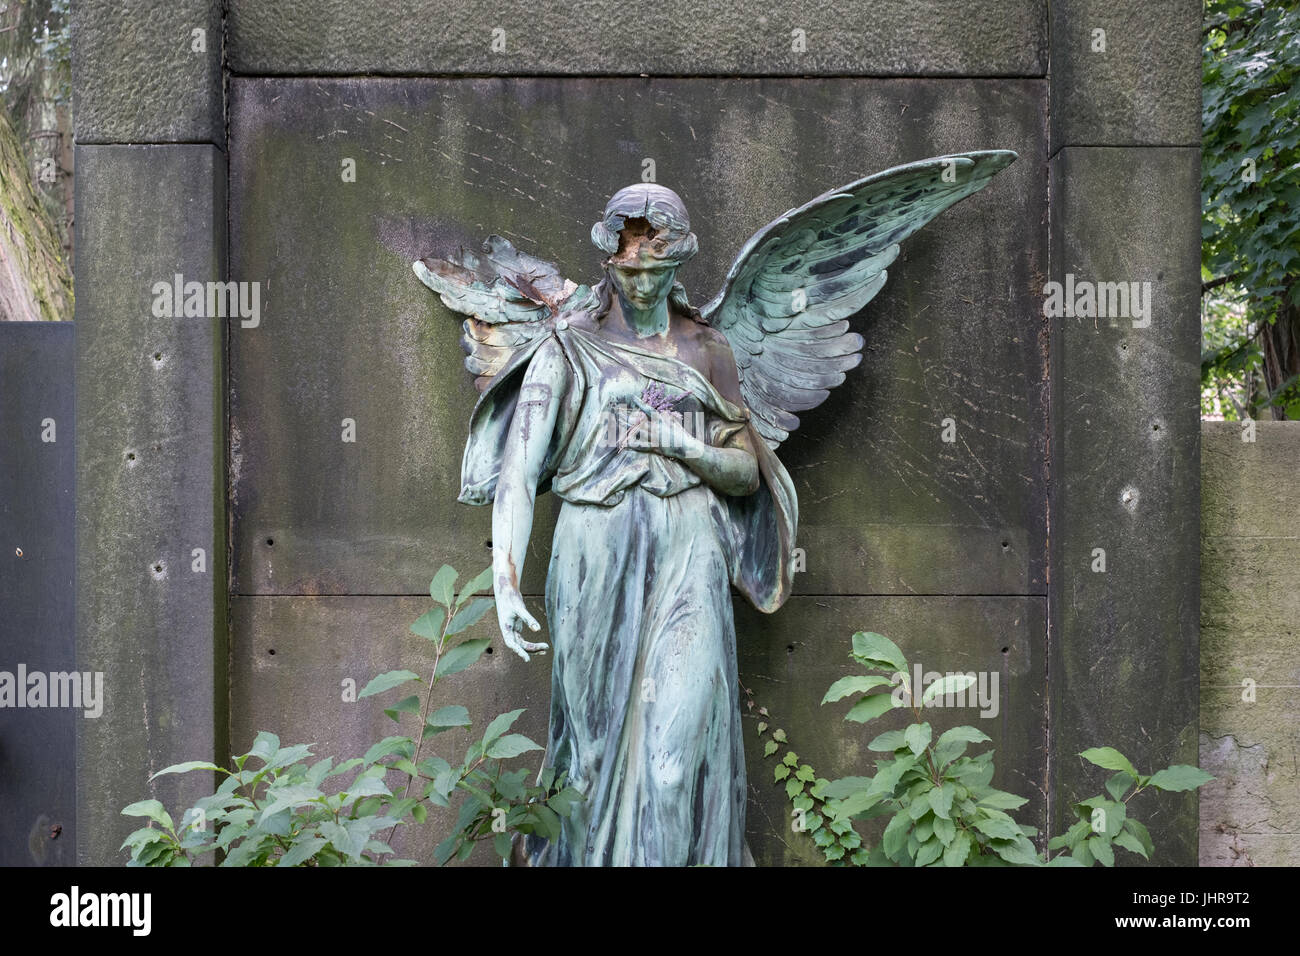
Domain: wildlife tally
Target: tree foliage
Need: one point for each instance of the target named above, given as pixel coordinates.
(1250, 195)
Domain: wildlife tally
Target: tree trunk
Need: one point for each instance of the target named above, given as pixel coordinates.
(1281, 343)
(35, 281)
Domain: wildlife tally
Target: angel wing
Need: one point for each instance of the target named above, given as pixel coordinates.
(786, 298)
(510, 297)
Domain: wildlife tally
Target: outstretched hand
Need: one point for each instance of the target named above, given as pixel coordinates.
(512, 616)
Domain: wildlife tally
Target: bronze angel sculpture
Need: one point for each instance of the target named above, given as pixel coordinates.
(657, 424)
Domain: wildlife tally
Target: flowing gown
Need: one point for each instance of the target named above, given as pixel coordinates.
(645, 716)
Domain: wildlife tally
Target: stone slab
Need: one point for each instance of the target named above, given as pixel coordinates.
(150, 484)
(139, 77)
(677, 37)
(1126, 476)
(1126, 74)
(348, 332)
(1250, 645)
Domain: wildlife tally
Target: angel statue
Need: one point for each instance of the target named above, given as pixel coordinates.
(657, 424)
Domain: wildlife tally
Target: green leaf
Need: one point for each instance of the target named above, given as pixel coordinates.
(1108, 758)
(793, 786)
(930, 851)
(444, 718)
(385, 682)
(389, 746)
(944, 828)
(940, 800)
(889, 772)
(958, 850)
(1139, 831)
(1000, 827)
(1100, 848)
(187, 767)
(895, 838)
(471, 615)
(302, 850)
(500, 724)
(790, 759)
(264, 747)
(855, 684)
(407, 705)
(1018, 852)
(511, 745)
(1131, 843)
(1119, 784)
(462, 656)
(151, 809)
(481, 582)
(870, 707)
(888, 742)
(429, 624)
(844, 787)
(770, 748)
(872, 648)
(917, 737)
(944, 686)
(782, 772)
(1002, 801)
(1180, 777)
(442, 587)
(952, 744)
(805, 773)
(564, 801)
(779, 735)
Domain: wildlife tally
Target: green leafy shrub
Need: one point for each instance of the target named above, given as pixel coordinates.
(271, 810)
(942, 807)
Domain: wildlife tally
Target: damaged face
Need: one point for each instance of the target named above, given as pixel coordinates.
(643, 278)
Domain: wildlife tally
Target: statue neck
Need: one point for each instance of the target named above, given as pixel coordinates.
(645, 322)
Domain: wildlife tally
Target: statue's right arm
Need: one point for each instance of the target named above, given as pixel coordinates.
(531, 429)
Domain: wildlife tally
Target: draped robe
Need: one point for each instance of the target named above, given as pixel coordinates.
(645, 715)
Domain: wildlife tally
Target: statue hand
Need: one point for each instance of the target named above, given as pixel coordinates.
(663, 432)
(512, 616)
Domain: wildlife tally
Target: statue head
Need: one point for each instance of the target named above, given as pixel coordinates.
(647, 234)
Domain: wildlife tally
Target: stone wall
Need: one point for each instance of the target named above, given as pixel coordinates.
(1250, 643)
(974, 553)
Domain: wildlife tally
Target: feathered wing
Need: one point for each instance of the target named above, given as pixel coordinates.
(786, 298)
(511, 298)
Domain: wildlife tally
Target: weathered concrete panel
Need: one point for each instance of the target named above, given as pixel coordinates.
(1250, 648)
(348, 332)
(38, 439)
(1126, 74)
(150, 484)
(883, 38)
(139, 75)
(299, 650)
(1126, 475)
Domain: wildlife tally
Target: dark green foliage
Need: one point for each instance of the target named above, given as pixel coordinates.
(271, 808)
(942, 808)
(1250, 196)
